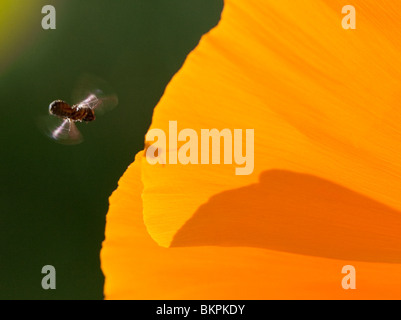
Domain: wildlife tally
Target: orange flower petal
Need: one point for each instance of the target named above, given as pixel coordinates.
(325, 189)
(319, 98)
(137, 268)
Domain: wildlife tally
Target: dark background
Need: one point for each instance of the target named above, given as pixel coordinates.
(54, 198)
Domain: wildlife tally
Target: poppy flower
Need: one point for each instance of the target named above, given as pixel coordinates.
(325, 188)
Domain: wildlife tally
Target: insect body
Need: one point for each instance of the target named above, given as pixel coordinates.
(92, 95)
(78, 112)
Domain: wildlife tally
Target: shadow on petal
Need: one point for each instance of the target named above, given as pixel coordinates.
(297, 213)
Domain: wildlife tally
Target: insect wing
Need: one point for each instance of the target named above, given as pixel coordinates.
(67, 133)
(91, 101)
(63, 131)
(94, 93)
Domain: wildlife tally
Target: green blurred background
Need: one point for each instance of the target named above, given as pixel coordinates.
(54, 198)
